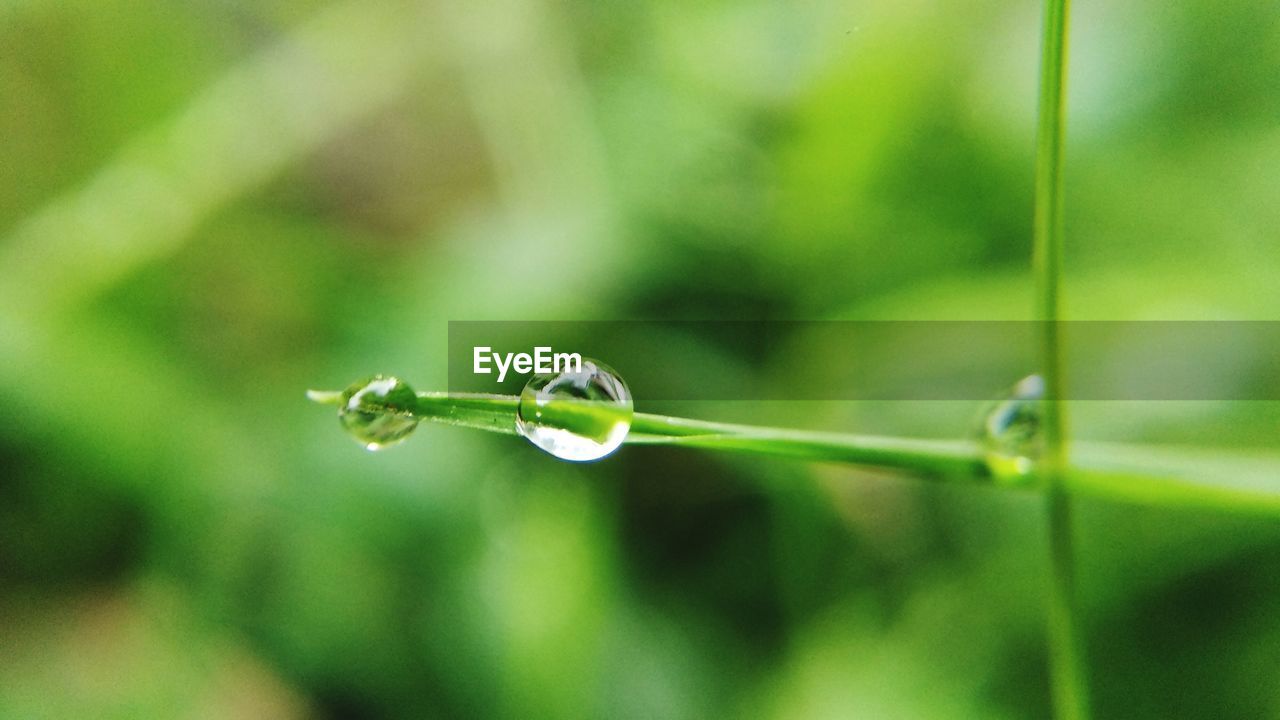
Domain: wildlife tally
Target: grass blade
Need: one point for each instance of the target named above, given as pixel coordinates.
(1150, 476)
(1066, 668)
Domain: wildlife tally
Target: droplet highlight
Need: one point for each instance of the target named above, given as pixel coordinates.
(1011, 432)
(578, 416)
(378, 412)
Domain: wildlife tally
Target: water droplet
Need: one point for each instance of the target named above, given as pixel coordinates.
(578, 416)
(378, 412)
(1011, 439)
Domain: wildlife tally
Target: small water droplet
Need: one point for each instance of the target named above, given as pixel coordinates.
(577, 416)
(378, 412)
(1011, 436)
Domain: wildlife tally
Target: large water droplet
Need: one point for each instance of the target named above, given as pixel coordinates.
(378, 412)
(578, 416)
(1011, 436)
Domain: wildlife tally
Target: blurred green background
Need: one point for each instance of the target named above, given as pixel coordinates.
(208, 207)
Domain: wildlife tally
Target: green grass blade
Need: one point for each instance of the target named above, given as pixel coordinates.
(1066, 663)
(1150, 476)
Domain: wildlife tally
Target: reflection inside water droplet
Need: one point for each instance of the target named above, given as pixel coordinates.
(1011, 436)
(378, 412)
(578, 416)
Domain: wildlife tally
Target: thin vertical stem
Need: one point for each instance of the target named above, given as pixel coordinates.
(1066, 668)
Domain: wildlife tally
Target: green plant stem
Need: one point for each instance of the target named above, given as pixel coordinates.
(1157, 477)
(1066, 667)
(496, 413)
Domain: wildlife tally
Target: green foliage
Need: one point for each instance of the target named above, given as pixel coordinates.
(207, 206)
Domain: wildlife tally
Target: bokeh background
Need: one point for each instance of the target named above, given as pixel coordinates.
(208, 207)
